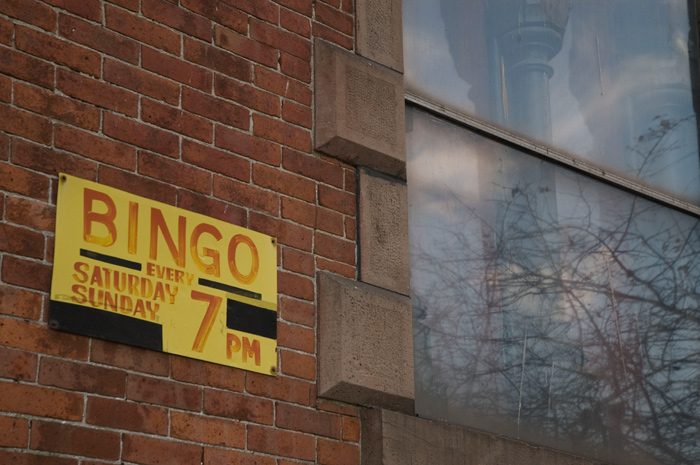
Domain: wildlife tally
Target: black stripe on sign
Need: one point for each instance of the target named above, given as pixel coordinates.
(105, 325)
(110, 259)
(231, 289)
(251, 319)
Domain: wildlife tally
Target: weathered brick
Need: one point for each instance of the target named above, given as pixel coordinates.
(40, 401)
(247, 95)
(209, 374)
(50, 161)
(295, 286)
(219, 12)
(337, 453)
(138, 185)
(17, 365)
(281, 132)
(350, 228)
(248, 146)
(216, 109)
(163, 392)
(58, 51)
(285, 183)
(57, 107)
(37, 215)
(14, 432)
(297, 311)
(132, 5)
(336, 267)
(338, 200)
(334, 248)
(25, 124)
(211, 207)
(287, 233)
(262, 9)
(26, 68)
(295, 22)
(298, 365)
(304, 7)
(39, 338)
(214, 456)
(142, 30)
(351, 429)
(25, 273)
(331, 35)
(296, 337)
(200, 428)
(98, 93)
(337, 407)
(151, 451)
(131, 415)
(246, 195)
(299, 262)
(176, 120)
(281, 388)
(141, 135)
(308, 421)
(216, 160)
(91, 146)
(312, 167)
(176, 69)
(31, 12)
(280, 39)
(245, 47)
(68, 439)
(297, 114)
(82, 377)
(142, 82)
(334, 18)
(21, 241)
(88, 9)
(98, 38)
(295, 67)
(21, 181)
(129, 357)
(279, 442)
(174, 173)
(238, 406)
(219, 60)
(281, 85)
(177, 18)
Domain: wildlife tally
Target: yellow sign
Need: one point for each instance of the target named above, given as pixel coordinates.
(144, 273)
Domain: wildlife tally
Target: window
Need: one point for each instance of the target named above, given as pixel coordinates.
(554, 185)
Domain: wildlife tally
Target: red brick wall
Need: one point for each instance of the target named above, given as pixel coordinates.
(202, 104)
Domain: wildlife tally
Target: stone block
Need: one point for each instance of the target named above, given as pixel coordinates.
(365, 344)
(392, 438)
(383, 222)
(379, 32)
(359, 111)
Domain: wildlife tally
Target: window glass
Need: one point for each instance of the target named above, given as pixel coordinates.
(549, 306)
(604, 81)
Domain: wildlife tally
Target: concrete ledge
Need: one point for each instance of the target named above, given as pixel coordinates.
(383, 222)
(379, 32)
(391, 438)
(365, 344)
(359, 110)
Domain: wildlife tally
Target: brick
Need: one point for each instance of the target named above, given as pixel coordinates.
(350, 228)
(176, 69)
(219, 12)
(57, 107)
(98, 93)
(25, 124)
(211, 207)
(281, 388)
(88, 9)
(39, 401)
(24, 458)
(335, 199)
(50, 161)
(324, 32)
(295, 22)
(295, 286)
(132, 5)
(177, 18)
(82, 377)
(176, 120)
(287, 233)
(334, 18)
(304, 7)
(248, 146)
(5, 93)
(36, 215)
(58, 51)
(17, 364)
(299, 212)
(25, 273)
(282, 85)
(130, 358)
(351, 429)
(247, 95)
(238, 406)
(219, 60)
(280, 39)
(214, 456)
(298, 365)
(142, 30)
(26, 68)
(295, 67)
(336, 267)
(21, 181)
(337, 453)
(21, 241)
(131, 416)
(174, 173)
(278, 442)
(312, 167)
(337, 407)
(297, 114)
(348, 6)
(68, 439)
(246, 195)
(285, 183)
(216, 109)
(296, 337)
(14, 432)
(334, 248)
(351, 180)
(216, 160)
(209, 374)
(199, 428)
(39, 338)
(98, 38)
(245, 47)
(163, 392)
(141, 82)
(333, 3)
(138, 185)
(138, 134)
(31, 12)
(299, 262)
(308, 421)
(296, 311)
(94, 147)
(281, 132)
(7, 30)
(262, 9)
(150, 451)
(50, 248)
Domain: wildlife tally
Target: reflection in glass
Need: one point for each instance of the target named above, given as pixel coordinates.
(549, 306)
(606, 81)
